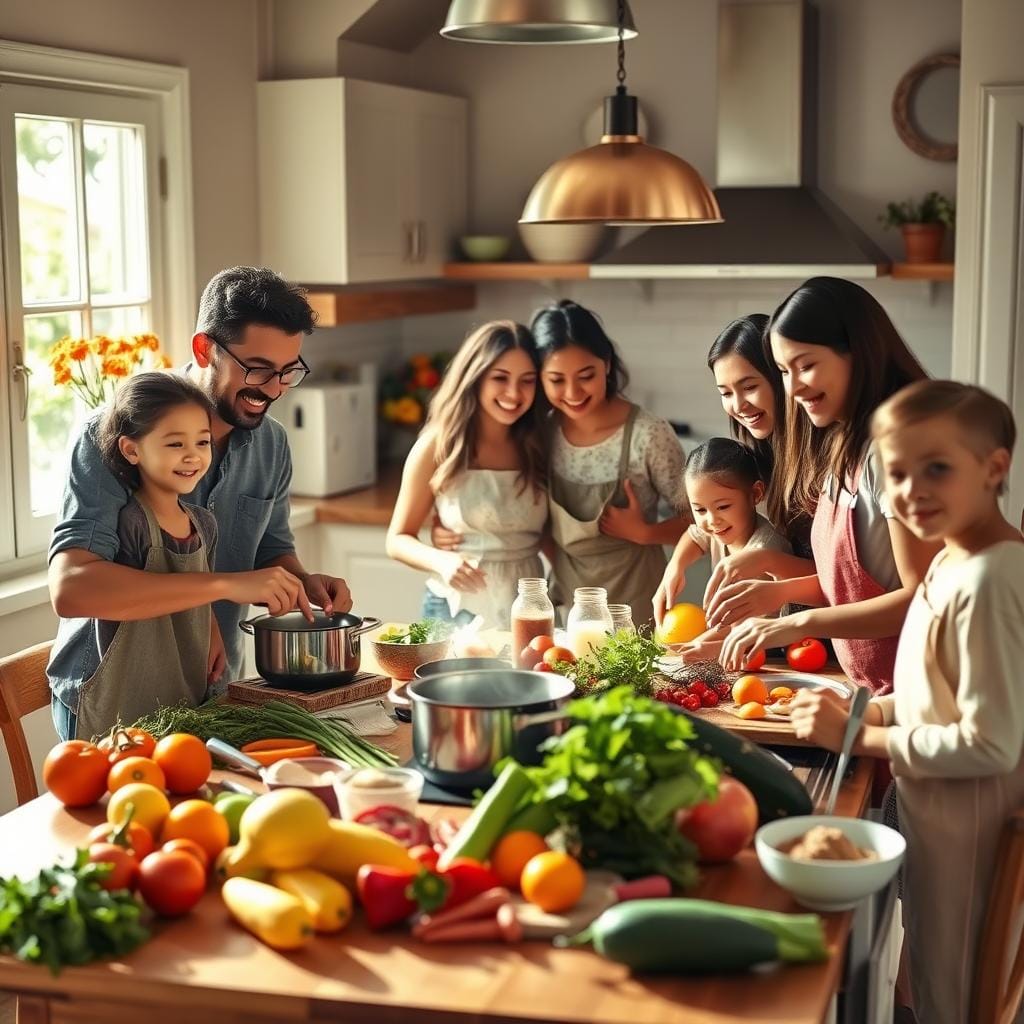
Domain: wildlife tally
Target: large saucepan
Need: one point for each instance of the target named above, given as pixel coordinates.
(295, 653)
(464, 723)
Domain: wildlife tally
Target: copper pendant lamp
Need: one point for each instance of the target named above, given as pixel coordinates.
(535, 21)
(621, 180)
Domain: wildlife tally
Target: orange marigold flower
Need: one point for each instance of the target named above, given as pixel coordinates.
(115, 367)
(150, 341)
(165, 363)
(124, 347)
(103, 344)
(79, 350)
(62, 376)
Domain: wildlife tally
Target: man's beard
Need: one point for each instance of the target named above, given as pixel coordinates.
(230, 411)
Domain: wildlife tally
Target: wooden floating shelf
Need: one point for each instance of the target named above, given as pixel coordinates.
(517, 271)
(922, 271)
(336, 305)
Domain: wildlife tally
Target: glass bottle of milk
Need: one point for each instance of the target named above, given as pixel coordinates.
(589, 621)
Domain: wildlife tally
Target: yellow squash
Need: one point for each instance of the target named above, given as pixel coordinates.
(350, 846)
(272, 915)
(327, 900)
(283, 829)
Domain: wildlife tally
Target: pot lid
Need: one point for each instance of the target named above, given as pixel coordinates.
(296, 622)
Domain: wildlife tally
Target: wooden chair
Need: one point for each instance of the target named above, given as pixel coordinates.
(23, 689)
(999, 967)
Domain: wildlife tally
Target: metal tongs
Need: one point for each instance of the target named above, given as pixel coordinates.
(857, 708)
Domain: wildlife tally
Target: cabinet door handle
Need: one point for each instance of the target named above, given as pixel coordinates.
(410, 252)
(417, 241)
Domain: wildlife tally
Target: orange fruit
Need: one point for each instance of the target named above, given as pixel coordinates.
(752, 710)
(749, 688)
(185, 761)
(199, 821)
(682, 623)
(780, 693)
(512, 853)
(150, 806)
(135, 769)
(553, 881)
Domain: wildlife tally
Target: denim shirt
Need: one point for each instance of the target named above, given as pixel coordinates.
(247, 492)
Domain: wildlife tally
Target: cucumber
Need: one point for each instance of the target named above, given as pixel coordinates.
(681, 936)
(779, 794)
(537, 818)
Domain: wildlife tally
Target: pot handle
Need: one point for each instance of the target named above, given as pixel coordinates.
(247, 627)
(367, 624)
(540, 718)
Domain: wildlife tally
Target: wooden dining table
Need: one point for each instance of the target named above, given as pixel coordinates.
(204, 968)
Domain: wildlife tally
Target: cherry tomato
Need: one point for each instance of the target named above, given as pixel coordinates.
(138, 838)
(756, 661)
(172, 883)
(699, 687)
(125, 873)
(807, 655)
(691, 702)
(398, 823)
(709, 699)
(123, 743)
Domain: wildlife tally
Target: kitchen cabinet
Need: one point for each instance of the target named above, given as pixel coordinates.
(359, 181)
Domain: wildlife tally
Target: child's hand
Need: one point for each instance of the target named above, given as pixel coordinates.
(820, 716)
(743, 565)
(743, 599)
(625, 523)
(700, 649)
(671, 584)
(753, 635)
(217, 660)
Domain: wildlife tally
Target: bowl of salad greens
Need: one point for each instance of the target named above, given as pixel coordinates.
(400, 649)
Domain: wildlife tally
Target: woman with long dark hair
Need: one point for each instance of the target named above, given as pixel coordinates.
(480, 461)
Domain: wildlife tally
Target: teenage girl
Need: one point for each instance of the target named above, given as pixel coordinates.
(750, 387)
(611, 462)
(155, 437)
(479, 460)
(840, 357)
(724, 488)
(954, 727)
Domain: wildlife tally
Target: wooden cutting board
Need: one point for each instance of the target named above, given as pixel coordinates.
(258, 691)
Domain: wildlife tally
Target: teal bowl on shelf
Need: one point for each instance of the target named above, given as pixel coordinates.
(485, 248)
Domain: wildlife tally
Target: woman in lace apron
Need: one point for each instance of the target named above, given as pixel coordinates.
(479, 460)
(611, 463)
(840, 358)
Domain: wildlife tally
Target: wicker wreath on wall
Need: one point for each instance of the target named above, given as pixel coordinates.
(902, 109)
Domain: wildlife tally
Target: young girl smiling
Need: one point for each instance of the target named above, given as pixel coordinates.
(610, 463)
(954, 727)
(479, 460)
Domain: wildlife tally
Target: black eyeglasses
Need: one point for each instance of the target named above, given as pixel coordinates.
(290, 377)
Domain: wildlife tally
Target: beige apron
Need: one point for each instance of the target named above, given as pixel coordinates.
(150, 661)
(586, 557)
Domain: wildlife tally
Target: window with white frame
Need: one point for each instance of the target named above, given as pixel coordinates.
(86, 250)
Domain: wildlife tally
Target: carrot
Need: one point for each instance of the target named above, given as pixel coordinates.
(269, 751)
(503, 927)
(485, 905)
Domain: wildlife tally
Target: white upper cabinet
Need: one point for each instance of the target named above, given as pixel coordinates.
(359, 181)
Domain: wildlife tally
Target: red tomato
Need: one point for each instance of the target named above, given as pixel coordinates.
(709, 699)
(720, 828)
(138, 837)
(75, 772)
(553, 655)
(172, 883)
(699, 687)
(124, 743)
(424, 855)
(125, 873)
(691, 702)
(807, 655)
(539, 644)
(756, 661)
(189, 846)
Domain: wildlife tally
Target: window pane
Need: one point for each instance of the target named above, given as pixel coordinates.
(47, 215)
(53, 411)
(115, 205)
(119, 320)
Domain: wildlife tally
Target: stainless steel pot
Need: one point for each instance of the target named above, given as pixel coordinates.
(464, 723)
(445, 665)
(295, 653)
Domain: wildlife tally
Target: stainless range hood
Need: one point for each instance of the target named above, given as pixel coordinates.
(777, 224)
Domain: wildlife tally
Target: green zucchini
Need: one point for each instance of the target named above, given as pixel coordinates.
(681, 936)
(779, 794)
(532, 817)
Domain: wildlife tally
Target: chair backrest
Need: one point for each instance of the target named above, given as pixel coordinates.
(999, 963)
(24, 688)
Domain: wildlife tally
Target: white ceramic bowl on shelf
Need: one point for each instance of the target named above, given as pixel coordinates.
(830, 884)
(564, 243)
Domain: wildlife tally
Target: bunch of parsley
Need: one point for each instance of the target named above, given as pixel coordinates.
(628, 658)
(615, 779)
(424, 632)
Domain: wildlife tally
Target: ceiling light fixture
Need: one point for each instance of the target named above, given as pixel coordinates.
(621, 180)
(535, 21)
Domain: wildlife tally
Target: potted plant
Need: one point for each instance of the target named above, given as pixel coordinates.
(923, 225)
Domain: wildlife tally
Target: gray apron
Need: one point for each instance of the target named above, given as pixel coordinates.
(150, 661)
(586, 557)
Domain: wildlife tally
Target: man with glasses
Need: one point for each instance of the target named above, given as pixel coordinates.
(245, 356)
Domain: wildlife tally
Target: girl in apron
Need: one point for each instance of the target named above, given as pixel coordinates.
(155, 437)
(611, 462)
(480, 462)
(954, 727)
(840, 358)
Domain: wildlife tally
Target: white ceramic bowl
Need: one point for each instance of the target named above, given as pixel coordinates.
(830, 884)
(404, 791)
(564, 243)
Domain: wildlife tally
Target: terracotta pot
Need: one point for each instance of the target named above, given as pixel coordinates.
(923, 242)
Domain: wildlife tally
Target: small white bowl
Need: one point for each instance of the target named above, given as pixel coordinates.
(830, 884)
(404, 791)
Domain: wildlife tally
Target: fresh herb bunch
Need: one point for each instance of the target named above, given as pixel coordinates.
(628, 658)
(427, 631)
(63, 916)
(616, 778)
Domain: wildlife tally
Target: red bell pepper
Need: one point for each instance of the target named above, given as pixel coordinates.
(383, 894)
(467, 878)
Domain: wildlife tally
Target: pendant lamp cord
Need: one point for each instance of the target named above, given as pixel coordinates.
(622, 44)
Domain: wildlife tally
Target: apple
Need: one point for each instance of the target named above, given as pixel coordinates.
(720, 828)
(553, 655)
(539, 644)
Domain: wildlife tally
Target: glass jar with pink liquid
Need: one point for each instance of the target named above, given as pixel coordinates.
(533, 615)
